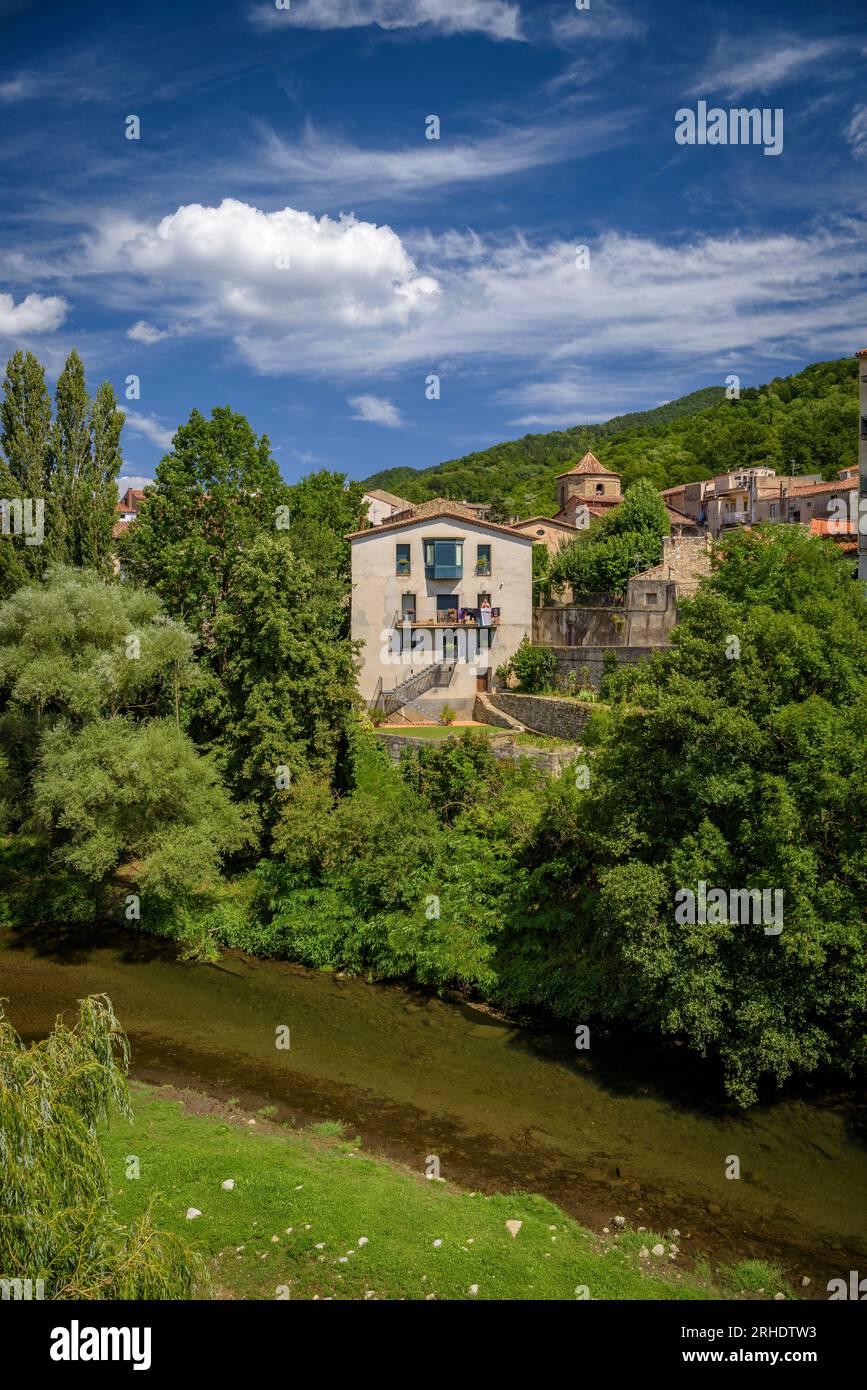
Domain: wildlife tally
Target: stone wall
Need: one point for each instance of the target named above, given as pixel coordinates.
(544, 714)
(503, 747)
(579, 625)
(574, 659)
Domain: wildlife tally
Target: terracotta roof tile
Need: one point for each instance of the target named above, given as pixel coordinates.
(589, 464)
(437, 506)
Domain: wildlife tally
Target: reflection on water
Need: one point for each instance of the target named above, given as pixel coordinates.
(622, 1128)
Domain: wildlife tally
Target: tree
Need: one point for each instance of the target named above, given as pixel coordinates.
(287, 676)
(56, 1219)
(742, 768)
(25, 462)
(97, 776)
(215, 490)
(323, 508)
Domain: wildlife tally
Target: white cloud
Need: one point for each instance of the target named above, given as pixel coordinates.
(284, 271)
(20, 88)
(496, 18)
(150, 427)
(135, 480)
(354, 298)
(37, 313)
(374, 410)
(324, 164)
(735, 70)
(856, 132)
(144, 332)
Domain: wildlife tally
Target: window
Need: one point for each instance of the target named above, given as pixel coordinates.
(650, 599)
(447, 608)
(403, 563)
(407, 607)
(540, 530)
(773, 509)
(483, 559)
(600, 489)
(444, 559)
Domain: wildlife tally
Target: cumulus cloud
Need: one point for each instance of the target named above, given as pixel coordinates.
(284, 270)
(375, 410)
(299, 295)
(745, 68)
(856, 132)
(37, 313)
(496, 18)
(144, 332)
(150, 427)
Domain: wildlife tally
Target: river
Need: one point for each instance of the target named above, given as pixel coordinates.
(623, 1128)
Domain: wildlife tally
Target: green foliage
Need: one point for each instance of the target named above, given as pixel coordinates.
(740, 773)
(95, 765)
(447, 716)
(806, 423)
(532, 666)
(70, 464)
(612, 550)
(56, 1220)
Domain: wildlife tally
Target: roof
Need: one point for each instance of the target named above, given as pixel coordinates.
(589, 464)
(380, 495)
(119, 527)
(815, 489)
(547, 521)
(861, 353)
(832, 526)
(437, 506)
(675, 515)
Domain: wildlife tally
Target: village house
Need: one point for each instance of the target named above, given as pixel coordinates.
(440, 598)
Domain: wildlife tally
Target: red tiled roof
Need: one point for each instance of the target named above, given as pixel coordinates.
(589, 464)
(119, 527)
(832, 526)
(815, 489)
(547, 520)
(437, 506)
(861, 353)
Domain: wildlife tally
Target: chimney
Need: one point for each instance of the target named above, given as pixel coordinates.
(861, 519)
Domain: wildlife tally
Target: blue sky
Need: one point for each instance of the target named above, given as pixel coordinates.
(284, 238)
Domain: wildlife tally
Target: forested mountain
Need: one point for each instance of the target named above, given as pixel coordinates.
(805, 423)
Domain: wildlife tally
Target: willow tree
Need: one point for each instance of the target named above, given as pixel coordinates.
(57, 1224)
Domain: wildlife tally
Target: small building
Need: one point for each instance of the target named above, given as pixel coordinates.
(440, 599)
(547, 530)
(588, 485)
(382, 505)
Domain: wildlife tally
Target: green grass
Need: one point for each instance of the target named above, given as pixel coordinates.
(330, 1194)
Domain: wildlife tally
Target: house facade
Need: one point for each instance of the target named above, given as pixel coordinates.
(440, 598)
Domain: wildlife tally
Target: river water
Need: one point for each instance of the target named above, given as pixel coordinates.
(622, 1128)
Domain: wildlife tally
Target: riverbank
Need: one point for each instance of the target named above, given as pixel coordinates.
(624, 1130)
(309, 1215)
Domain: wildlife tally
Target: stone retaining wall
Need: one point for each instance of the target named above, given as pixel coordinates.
(574, 659)
(545, 714)
(503, 748)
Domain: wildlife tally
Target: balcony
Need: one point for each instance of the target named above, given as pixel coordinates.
(463, 617)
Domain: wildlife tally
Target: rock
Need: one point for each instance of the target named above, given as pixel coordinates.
(437, 1244)
(428, 1297)
(513, 1227)
(369, 1293)
(620, 1221)
(473, 1289)
(675, 1233)
(644, 1253)
(363, 1240)
(778, 1296)
(658, 1250)
(289, 1230)
(805, 1282)
(274, 1240)
(192, 1213)
(713, 1209)
(343, 1260)
(228, 1184)
(320, 1245)
(605, 1231)
(642, 1228)
(673, 1250)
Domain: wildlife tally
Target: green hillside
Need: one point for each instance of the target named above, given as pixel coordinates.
(805, 423)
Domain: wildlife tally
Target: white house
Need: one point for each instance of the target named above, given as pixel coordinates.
(439, 599)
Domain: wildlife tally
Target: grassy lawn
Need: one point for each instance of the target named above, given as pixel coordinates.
(302, 1202)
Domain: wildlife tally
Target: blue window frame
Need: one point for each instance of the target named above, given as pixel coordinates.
(443, 559)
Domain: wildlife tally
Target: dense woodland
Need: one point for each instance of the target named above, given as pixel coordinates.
(806, 423)
(182, 752)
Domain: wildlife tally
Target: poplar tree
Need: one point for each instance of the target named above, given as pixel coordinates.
(25, 463)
